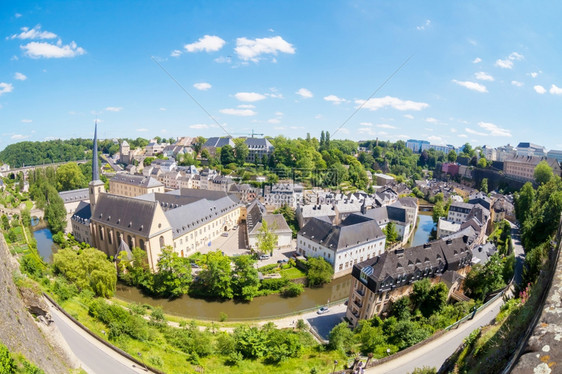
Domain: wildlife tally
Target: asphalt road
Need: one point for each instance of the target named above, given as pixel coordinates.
(96, 357)
(519, 253)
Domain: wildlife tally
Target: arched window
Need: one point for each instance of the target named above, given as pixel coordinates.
(142, 244)
(130, 241)
(101, 233)
(110, 237)
(161, 242)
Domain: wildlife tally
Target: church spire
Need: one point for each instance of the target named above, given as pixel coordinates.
(95, 168)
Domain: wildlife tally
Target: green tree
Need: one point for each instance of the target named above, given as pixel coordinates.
(174, 274)
(340, 338)
(482, 162)
(438, 211)
(250, 341)
(7, 364)
(543, 172)
(246, 281)
(241, 151)
(319, 271)
(70, 177)
(391, 233)
(524, 201)
(267, 238)
(484, 185)
(401, 308)
(216, 275)
(484, 279)
(420, 292)
(227, 155)
(87, 269)
(197, 145)
(452, 156)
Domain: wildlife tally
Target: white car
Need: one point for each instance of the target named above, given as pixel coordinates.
(323, 310)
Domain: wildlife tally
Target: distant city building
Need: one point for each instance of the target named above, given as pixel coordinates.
(530, 149)
(276, 223)
(416, 145)
(125, 152)
(523, 167)
(504, 152)
(134, 185)
(555, 154)
(383, 179)
(489, 153)
(153, 148)
(257, 148)
(443, 148)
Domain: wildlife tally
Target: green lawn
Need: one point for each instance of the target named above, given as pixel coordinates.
(292, 273)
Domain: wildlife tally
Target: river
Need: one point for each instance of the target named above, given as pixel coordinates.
(45, 245)
(425, 225)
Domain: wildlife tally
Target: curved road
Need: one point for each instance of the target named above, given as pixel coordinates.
(95, 356)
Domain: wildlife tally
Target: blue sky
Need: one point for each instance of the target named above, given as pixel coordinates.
(481, 72)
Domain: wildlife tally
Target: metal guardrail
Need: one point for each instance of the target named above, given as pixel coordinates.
(469, 316)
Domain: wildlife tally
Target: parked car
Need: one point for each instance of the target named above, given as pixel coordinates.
(224, 234)
(283, 261)
(235, 227)
(264, 257)
(323, 310)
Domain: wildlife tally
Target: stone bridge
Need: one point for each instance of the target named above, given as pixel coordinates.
(27, 169)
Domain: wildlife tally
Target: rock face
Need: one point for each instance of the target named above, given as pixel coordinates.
(18, 330)
(543, 353)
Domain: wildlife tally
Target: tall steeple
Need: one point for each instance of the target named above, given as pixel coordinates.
(95, 167)
(96, 185)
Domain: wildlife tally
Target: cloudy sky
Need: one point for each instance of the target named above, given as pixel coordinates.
(486, 72)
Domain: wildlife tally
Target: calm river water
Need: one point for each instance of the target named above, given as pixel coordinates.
(45, 245)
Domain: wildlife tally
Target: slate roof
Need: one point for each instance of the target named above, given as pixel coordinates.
(482, 253)
(136, 180)
(258, 143)
(75, 195)
(218, 142)
(125, 213)
(354, 230)
(409, 202)
(82, 214)
(398, 268)
(309, 211)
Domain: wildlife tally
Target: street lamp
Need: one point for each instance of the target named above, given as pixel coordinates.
(388, 351)
(335, 363)
(140, 356)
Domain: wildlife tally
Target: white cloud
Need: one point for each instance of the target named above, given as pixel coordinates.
(508, 62)
(251, 50)
(477, 60)
(539, 89)
(504, 64)
(142, 130)
(175, 53)
(534, 74)
(26, 120)
(318, 116)
(17, 15)
(5, 88)
(304, 93)
(393, 102)
(426, 24)
(278, 114)
(249, 96)
(517, 83)
(431, 120)
(483, 76)
(463, 136)
(343, 130)
(48, 50)
(334, 99)
(114, 109)
(246, 106)
(453, 130)
(516, 56)
(474, 132)
(208, 43)
(279, 127)
(369, 124)
(385, 126)
(34, 33)
(223, 60)
(555, 90)
(409, 116)
(19, 137)
(274, 95)
(471, 85)
(238, 112)
(20, 77)
(199, 126)
(202, 86)
(274, 120)
(163, 109)
(494, 130)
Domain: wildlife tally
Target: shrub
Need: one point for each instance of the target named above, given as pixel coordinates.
(273, 284)
(292, 290)
(7, 364)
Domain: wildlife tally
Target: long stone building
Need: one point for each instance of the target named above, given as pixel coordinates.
(184, 219)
